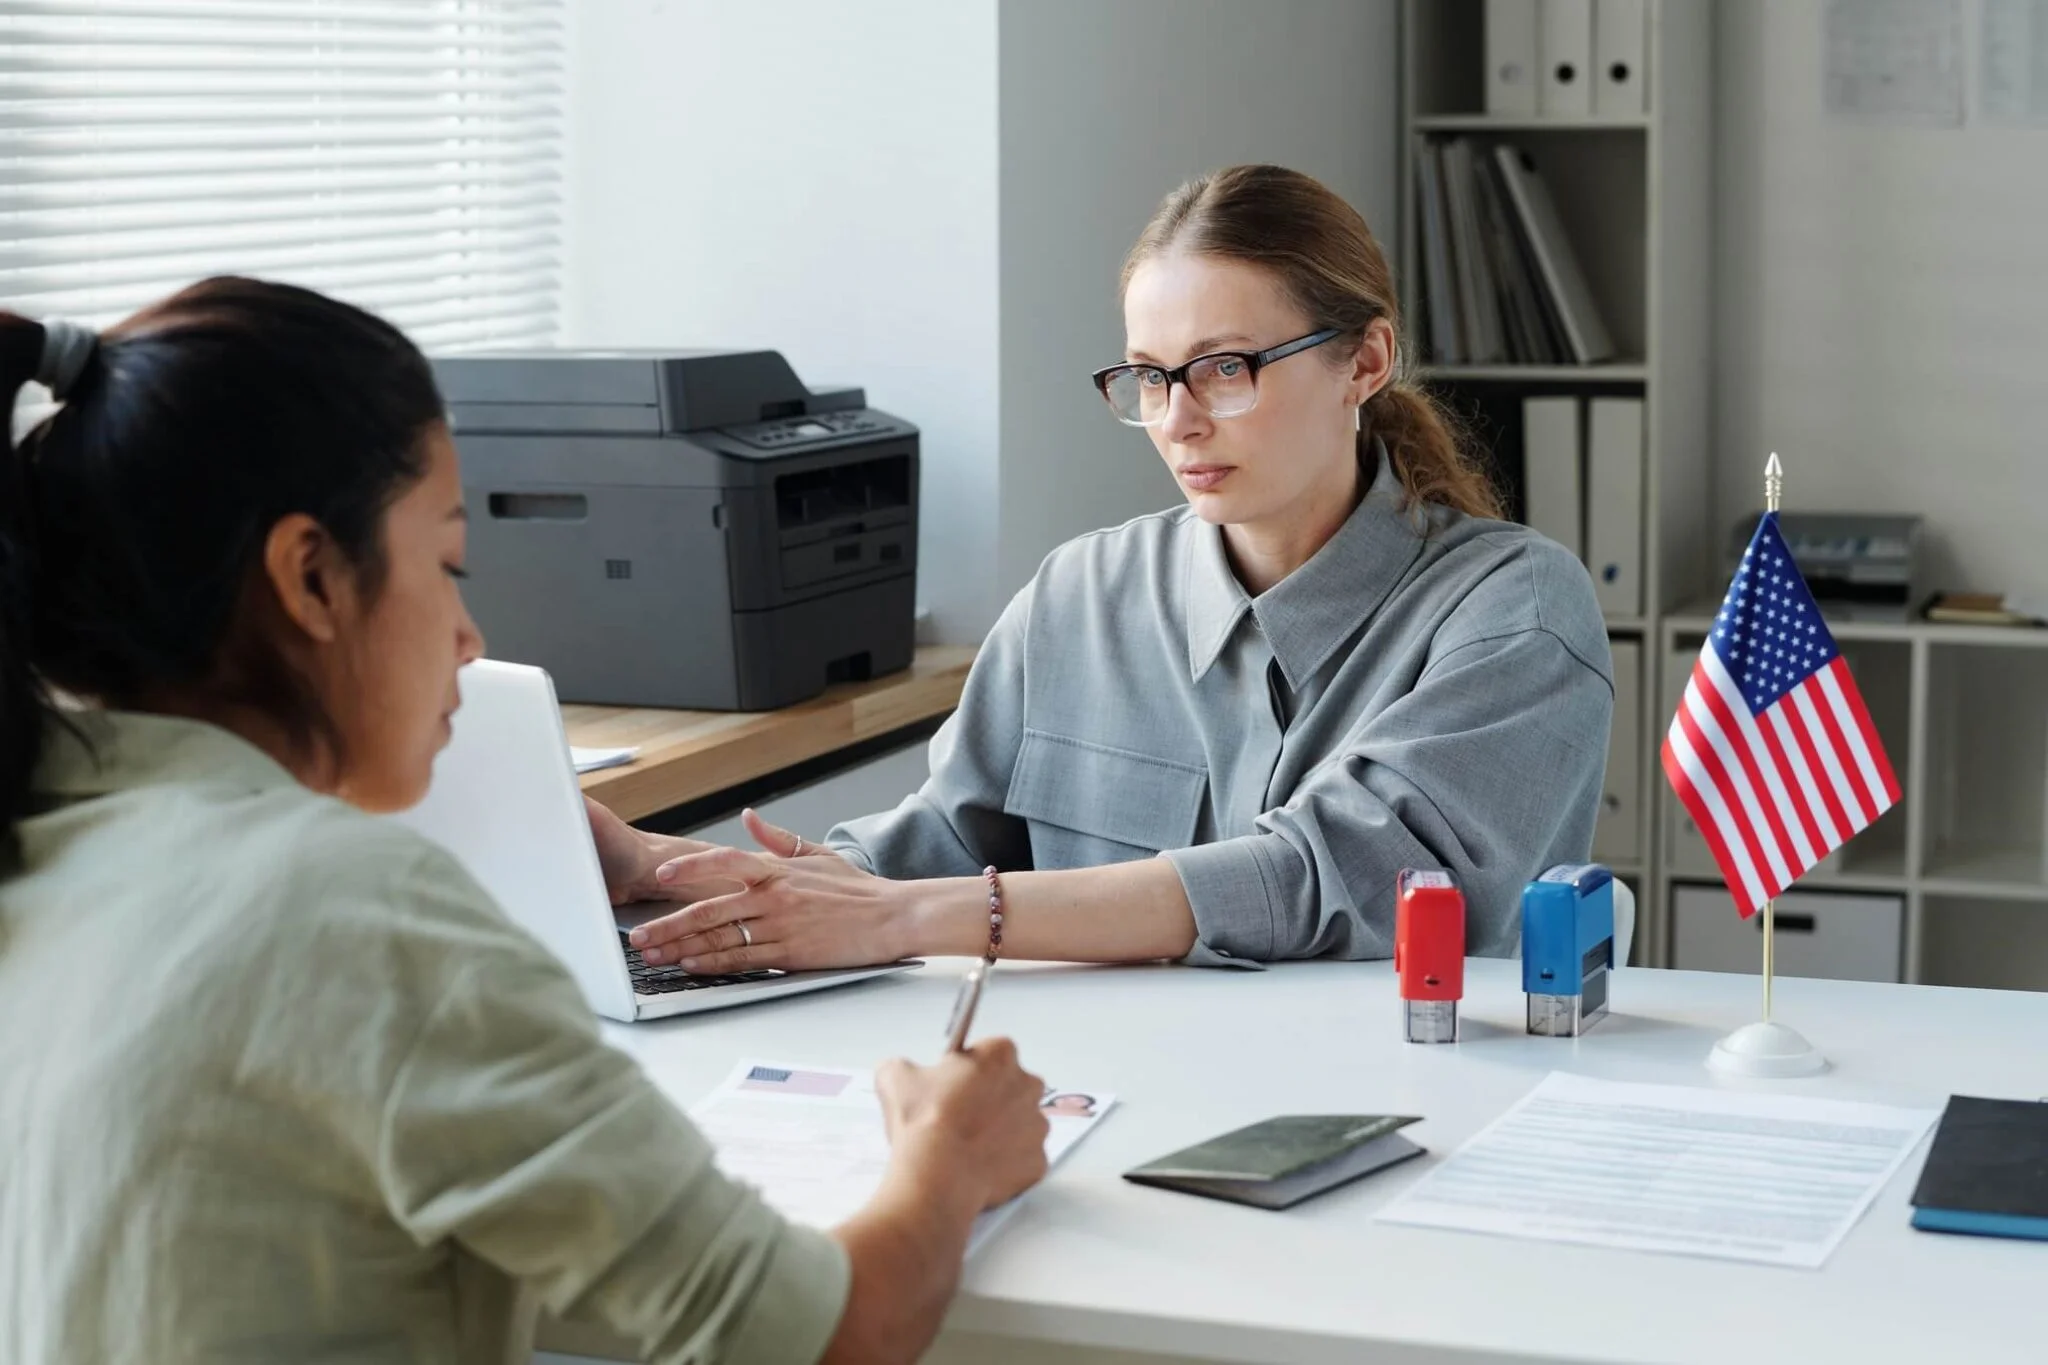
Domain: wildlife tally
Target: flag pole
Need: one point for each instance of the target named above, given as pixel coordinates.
(1774, 492)
(1767, 1049)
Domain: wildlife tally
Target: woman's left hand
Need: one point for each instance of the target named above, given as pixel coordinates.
(802, 910)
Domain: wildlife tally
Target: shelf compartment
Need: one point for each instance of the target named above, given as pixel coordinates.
(1599, 182)
(1994, 944)
(1986, 822)
(2004, 873)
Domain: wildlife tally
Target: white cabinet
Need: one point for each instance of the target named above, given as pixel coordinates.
(1819, 933)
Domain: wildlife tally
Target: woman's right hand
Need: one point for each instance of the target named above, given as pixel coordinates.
(965, 1135)
(969, 1123)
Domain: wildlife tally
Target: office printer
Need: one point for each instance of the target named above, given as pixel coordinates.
(1859, 566)
(683, 528)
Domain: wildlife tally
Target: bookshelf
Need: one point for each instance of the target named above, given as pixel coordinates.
(1962, 710)
(1632, 196)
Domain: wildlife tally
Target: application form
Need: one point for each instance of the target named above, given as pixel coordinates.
(811, 1138)
(1695, 1171)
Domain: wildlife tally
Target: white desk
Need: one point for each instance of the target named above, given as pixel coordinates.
(1093, 1260)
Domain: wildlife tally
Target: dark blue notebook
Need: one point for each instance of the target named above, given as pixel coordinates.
(1987, 1172)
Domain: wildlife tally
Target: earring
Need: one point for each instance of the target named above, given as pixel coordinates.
(1358, 418)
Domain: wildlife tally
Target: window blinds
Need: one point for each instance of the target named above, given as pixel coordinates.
(405, 155)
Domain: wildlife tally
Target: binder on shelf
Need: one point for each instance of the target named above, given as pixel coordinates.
(1551, 494)
(1446, 328)
(1511, 56)
(1618, 833)
(1565, 46)
(1536, 214)
(1553, 347)
(1480, 307)
(1621, 53)
(1614, 503)
(1527, 335)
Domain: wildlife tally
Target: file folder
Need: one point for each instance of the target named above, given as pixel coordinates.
(1565, 44)
(1618, 834)
(1614, 503)
(1511, 56)
(1536, 212)
(1439, 273)
(1621, 57)
(1551, 492)
(1484, 340)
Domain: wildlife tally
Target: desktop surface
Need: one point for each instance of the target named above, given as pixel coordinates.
(1091, 1259)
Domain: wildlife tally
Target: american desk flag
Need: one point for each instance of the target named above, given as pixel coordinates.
(1772, 751)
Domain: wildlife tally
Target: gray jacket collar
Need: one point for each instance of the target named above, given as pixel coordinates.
(1309, 613)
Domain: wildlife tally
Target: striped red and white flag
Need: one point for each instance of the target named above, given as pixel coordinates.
(1772, 751)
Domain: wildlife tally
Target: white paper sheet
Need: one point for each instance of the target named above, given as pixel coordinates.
(2012, 81)
(1692, 1171)
(590, 760)
(1896, 62)
(811, 1138)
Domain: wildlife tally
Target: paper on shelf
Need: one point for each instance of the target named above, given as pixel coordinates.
(1692, 1171)
(811, 1138)
(590, 760)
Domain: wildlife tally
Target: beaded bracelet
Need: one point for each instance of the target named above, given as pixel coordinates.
(995, 914)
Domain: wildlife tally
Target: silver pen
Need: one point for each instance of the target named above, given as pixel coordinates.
(964, 1006)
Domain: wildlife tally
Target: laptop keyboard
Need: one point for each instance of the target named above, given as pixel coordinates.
(649, 979)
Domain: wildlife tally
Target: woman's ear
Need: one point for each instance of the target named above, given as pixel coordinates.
(1372, 367)
(311, 578)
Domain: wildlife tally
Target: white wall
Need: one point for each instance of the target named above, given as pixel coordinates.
(817, 177)
(1106, 106)
(932, 198)
(1883, 314)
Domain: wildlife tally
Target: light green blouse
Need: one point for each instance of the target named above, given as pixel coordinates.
(279, 1082)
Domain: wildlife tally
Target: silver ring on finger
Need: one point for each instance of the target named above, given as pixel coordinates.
(799, 847)
(746, 934)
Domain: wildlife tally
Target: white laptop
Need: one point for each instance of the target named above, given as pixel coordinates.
(504, 801)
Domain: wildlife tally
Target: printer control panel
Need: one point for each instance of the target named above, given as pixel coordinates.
(792, 433)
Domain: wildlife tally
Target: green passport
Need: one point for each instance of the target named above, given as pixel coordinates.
(1282, 1161)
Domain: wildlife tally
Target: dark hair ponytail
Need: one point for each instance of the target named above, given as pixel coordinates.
(135, 516)
(23, 707)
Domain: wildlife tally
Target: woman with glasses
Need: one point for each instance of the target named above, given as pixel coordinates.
(1218, 733)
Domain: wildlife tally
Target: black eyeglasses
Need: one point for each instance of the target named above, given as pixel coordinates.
(1225, 383)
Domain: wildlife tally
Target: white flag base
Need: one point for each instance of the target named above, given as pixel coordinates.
(1769, 1051)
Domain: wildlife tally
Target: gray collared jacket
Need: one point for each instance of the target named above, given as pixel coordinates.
(1429, 690)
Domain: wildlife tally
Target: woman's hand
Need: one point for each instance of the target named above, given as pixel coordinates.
(975, 1116)
(801, 911)
(965, 1135)
(630, 858)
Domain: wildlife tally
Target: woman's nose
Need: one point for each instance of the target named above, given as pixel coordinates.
(1185, 419)
(469, 642)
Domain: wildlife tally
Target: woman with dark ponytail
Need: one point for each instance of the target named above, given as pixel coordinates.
(277, 1080)
(1218, 733)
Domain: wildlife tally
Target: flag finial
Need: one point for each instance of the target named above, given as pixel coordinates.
(1774, 482)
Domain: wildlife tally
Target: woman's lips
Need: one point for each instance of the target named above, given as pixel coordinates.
(1203, 477)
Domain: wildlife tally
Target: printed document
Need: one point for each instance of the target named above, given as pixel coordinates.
(1693, 1171)
(811, 1138)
